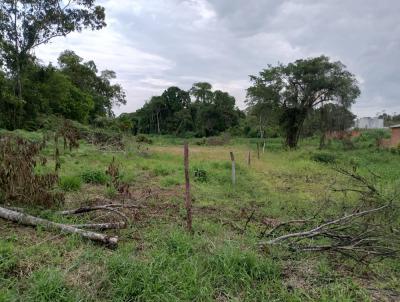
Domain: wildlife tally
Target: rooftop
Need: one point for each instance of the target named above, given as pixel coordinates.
(395, 126)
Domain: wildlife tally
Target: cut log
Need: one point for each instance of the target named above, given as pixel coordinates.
(29, 220)
(100, 226)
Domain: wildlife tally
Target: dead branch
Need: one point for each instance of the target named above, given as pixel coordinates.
(274, 229)
(29, 220)
(318, 230)
(248, 220)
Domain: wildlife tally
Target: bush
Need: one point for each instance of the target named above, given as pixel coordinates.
(18, 181)
(162, 171)
(71, 183)
(200, 175)
(110, 192)
(325, 158)
(94, 177)
(143, 139)
(219, 140)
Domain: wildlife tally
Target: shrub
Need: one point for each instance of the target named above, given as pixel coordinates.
(219, 140)
(18, 181)
(94, 177)
(325, 158)
(143, 139)
(71, 183)
(200, 175)
(110, 192)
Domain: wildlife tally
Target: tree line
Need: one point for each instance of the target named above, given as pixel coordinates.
(305, 97)
(174, 112)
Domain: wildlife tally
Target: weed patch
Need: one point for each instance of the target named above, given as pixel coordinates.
(71, 183)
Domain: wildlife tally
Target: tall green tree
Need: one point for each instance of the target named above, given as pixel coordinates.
(295, 89)
(202, 92)
(99, 86)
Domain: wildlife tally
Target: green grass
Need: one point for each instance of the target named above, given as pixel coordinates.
(157, 260)
(94, 177)
(71, 183)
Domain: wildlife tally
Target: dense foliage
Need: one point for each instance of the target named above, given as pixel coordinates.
(173, 112)
(74, 89)
(27, 88)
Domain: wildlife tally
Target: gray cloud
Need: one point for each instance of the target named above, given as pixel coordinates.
(153, 44)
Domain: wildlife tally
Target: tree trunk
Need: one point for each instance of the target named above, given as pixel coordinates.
(322, 140)
(158, 123)
(293, 121)
(29, 220)
(323, 128)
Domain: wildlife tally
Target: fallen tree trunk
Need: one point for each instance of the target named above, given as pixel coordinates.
(29, 220)
(100, 226)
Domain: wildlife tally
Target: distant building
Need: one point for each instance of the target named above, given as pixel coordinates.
(369, 123)
(394, 140)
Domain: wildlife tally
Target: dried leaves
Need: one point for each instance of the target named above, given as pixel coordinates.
(18, 181)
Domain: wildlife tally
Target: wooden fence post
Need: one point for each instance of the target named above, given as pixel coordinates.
(249, 159)
(258, 150)
(233, 169)
(188, 200)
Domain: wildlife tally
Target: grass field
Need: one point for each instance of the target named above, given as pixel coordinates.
(157, 260)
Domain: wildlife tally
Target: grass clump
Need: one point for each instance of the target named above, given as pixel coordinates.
(94, 177)
(143, 139)
(48, 285)
(71, 183)
(200, 175)
(325, 158)
(8, 260)
(171, 273)
(111, 192)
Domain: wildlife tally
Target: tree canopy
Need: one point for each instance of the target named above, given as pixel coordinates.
(74, 90)
(26, 24)
(173, 112)
(296, 88)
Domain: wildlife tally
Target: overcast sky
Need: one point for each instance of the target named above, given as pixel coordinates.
(154, 44)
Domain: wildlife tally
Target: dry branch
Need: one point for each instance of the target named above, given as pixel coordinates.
(278, 226)
(319, 229)
(29, 220)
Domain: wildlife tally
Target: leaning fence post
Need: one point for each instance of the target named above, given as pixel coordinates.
(233, 169)
(188, 200)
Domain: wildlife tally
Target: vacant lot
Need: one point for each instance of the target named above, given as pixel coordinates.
(157, 260)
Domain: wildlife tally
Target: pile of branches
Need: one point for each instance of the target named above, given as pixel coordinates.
(365, 233)
(103, 139)
(18, 181)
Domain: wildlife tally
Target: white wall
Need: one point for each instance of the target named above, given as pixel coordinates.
(369, 123)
